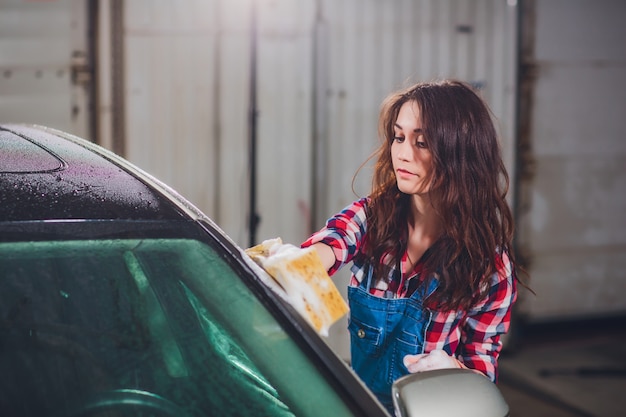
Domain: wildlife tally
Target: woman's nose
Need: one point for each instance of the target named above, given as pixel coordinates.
(405, 151)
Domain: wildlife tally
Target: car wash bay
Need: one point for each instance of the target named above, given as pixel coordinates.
(171, 87)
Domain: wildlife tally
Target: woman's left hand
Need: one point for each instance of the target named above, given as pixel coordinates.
(437, 359)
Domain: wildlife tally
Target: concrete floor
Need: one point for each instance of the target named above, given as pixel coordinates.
(575, 369)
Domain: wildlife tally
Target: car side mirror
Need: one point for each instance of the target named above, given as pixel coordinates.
(447, 393)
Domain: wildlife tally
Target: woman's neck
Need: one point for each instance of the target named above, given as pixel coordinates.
(423, 215)
(424, 227)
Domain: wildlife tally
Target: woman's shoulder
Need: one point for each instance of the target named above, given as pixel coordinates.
(362, 202)
(357, 208)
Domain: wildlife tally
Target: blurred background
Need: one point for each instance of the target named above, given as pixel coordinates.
(261, 111)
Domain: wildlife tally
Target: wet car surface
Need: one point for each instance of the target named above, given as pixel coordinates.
(118, 296)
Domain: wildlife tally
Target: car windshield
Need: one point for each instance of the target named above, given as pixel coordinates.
(90, 326)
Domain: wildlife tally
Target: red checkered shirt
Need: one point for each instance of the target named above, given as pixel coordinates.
(473, 336)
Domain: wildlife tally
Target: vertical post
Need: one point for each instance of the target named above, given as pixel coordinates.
(118, 117)
(253, 218)
(319, 175)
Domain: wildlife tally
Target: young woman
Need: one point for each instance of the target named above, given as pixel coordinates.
(433, 277)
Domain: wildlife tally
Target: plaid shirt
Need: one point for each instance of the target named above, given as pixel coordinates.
(473, 335)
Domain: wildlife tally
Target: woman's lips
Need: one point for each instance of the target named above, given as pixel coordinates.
(404, 173)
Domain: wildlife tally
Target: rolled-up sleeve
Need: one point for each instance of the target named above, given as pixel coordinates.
(343, 233)
(480, 343)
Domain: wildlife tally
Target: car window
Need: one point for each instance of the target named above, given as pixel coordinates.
(160, 324)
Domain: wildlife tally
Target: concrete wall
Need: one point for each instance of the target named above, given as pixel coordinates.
(572, 223)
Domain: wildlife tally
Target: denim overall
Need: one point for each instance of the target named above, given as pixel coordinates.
(382, 332)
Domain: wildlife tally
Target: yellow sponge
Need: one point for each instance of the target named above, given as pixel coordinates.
(301, 274)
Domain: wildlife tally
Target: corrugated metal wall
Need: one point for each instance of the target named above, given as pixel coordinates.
(285, 118)
(41, 44)
(169, 55)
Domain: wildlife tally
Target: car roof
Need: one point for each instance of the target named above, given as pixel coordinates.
(47, 174)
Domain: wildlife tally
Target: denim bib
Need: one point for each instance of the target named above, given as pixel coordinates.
(382, 332)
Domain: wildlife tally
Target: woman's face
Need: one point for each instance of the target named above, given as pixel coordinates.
(410, 156)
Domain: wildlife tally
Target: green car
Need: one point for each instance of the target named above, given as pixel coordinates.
(119, 298)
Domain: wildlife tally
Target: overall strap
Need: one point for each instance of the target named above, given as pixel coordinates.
(369, 278)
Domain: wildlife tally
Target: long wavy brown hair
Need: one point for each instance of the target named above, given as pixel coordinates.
(468, 189)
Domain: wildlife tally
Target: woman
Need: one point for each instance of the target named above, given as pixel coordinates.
(433, 277)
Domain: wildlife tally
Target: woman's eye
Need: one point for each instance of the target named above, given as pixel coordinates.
(398, 139)
(421, 144)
